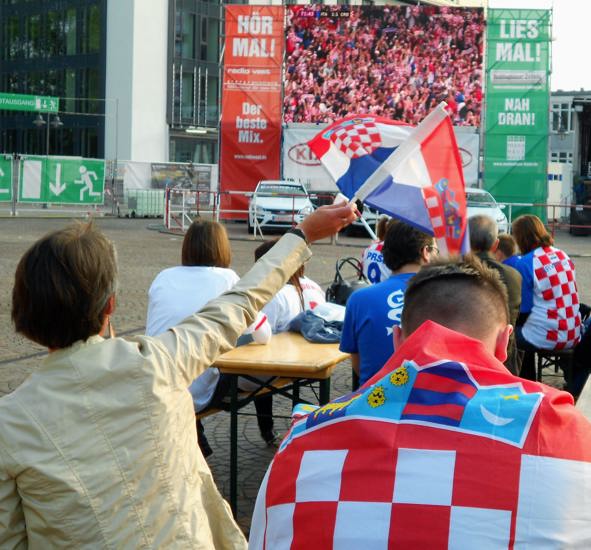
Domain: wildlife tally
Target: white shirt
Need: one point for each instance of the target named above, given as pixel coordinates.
(286, 304)
(178, 292)
(372, 260)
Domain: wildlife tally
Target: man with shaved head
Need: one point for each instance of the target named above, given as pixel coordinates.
(442, 448)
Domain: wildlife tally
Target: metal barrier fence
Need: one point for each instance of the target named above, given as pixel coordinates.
(182, 206)
(576, 218)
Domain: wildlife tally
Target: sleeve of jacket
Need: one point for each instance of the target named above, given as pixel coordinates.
(13, 532)
(195, 343)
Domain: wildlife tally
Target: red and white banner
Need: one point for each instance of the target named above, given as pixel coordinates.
(251, 100)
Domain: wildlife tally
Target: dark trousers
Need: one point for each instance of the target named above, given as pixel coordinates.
(263, 404)
(528, 364)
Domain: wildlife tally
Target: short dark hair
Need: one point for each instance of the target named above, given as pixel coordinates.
(530, 233)
(62, 285)
(403, 245)
(463, 295)
(507, 245)
(483, 233)
(206, 243)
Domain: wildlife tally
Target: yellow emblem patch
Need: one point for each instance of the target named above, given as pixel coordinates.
(399, 377)
(377, 397)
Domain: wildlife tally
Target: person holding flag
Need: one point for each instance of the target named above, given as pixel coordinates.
(443, 448)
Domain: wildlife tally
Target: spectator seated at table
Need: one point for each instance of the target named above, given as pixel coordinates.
(372, 259)
(443, 448)
(372, 312)
(549, 313)
(98, 445)
(299, 294)
(506, 251)
(179, 291)
(483, 242)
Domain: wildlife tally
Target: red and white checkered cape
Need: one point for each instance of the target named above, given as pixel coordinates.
(354, 484)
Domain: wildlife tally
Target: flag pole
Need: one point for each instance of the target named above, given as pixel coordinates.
(340, 197)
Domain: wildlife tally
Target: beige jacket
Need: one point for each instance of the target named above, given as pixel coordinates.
(98, 447)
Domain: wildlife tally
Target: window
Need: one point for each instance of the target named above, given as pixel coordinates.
(566, 157)
(89, 90)
(201, 151)
(203, 39)
(188, 37)
(70, 90)
(12, 46)
(211, 40)
(55, 34)
(562, 116)
(33, 37)
(90, 31)
(70, 31)
(211, 109)
(187, 103)
(94, 30)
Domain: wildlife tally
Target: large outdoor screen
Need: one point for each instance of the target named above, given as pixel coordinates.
(392, 61)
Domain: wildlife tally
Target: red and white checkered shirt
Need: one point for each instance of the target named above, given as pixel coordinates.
(550, 295)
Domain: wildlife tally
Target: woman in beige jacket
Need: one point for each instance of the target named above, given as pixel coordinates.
(98, 446)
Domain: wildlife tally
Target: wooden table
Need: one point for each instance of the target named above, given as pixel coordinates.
(287, 355)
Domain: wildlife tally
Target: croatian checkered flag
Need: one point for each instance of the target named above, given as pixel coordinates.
(414, 175)
(432, 453)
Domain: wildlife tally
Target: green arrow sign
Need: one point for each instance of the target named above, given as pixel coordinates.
(23, 102)
(5, 179)
(63, 180)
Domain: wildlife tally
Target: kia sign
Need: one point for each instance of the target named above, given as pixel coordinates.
(466, 157)
(301, 154)
(299, 163)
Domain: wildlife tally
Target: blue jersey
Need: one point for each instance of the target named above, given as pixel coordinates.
(370, 317)
(512, 261)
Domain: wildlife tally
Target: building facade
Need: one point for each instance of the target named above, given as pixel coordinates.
(193, 83)
(55, 48)
(570, 138)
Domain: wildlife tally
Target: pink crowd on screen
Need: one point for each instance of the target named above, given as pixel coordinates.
(395, 62)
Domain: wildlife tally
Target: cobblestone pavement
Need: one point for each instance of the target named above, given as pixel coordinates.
(142, 254)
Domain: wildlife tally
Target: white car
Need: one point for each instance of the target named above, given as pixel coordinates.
(278, 203)
(481, 202)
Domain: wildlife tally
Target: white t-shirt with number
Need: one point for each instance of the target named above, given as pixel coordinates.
(373, 264)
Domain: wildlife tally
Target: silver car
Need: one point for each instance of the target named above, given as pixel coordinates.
(278, 203)
(482, 202)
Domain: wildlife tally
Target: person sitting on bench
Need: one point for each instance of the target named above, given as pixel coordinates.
(179, 291)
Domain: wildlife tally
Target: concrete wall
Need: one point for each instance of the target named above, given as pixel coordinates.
(137, 35)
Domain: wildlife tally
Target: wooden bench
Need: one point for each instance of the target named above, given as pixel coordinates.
(248, 396)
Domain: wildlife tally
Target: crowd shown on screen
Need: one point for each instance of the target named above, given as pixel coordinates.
(396, 62)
